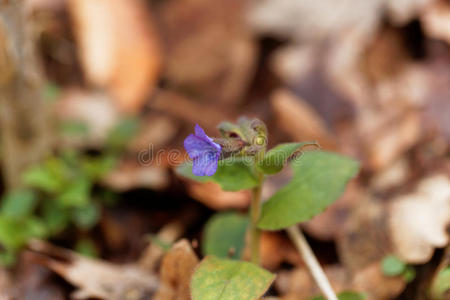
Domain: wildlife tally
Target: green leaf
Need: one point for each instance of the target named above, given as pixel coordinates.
(8, 257)
(97, 167)
(76, 194)
(319, 179)
(276, 158)
(86, 217)
(441, 284)
(74, 128)
(19, 203)
(409, 274)
(233, 174)
(55, 217)
(86, 247)
(392, 266)
(121, 134)
(225, 231)
(14, 233)
(223, 279)
(42, 178)
(345, 296)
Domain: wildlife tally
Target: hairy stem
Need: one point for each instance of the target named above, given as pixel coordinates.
(255, 233)
(311, 262)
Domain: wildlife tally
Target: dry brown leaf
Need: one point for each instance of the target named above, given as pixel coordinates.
(365, 237)
(276, 249)
(153, 253)
(155, 132)
(393, 139)
(118, 47)
(436, 20)
(401, 12)
(134, 174)
(32, 281)
(176, 270)
(5, 284)
(94, 109)
(418, 221)
(95, 278)
(299, 120)
(212, 195)
(188, 109)
(313, 20)
(394, 175)
(376, 285)
(292, 63)
(33, 5)
(410, 226)
(298, 284)
(213, 56)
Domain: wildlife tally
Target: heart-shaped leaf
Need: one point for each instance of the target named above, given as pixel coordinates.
(276, 158)
(233, 174)
(224, 235)
(319, 179)
(224, 279)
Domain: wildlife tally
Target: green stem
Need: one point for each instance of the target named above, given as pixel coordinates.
(255, 232)
(255, 212)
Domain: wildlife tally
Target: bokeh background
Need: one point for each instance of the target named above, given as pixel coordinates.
(96, 97)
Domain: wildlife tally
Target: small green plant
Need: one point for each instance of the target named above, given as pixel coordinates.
(440, 286)
(393, 266)
(61, 191)
(239, 160)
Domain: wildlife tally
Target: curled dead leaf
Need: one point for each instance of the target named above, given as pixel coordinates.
(176, 270)
(214, 55)
(95, 278)
(119, 48)
(418, 221)
(152, 254)
(275, 250)
(436, 20)
(390, 142)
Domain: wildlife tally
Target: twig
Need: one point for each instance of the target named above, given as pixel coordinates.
(311, 262)
(26, 133)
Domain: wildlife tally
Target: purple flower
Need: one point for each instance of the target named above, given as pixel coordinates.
(203, 151)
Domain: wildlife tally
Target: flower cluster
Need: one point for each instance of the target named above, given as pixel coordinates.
(246, 138)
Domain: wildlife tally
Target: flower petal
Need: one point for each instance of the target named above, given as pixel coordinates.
(203, 151)
(205, 165)
(196, 146)
(201, 133)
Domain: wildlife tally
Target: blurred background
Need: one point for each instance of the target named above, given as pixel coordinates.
(97, 96)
